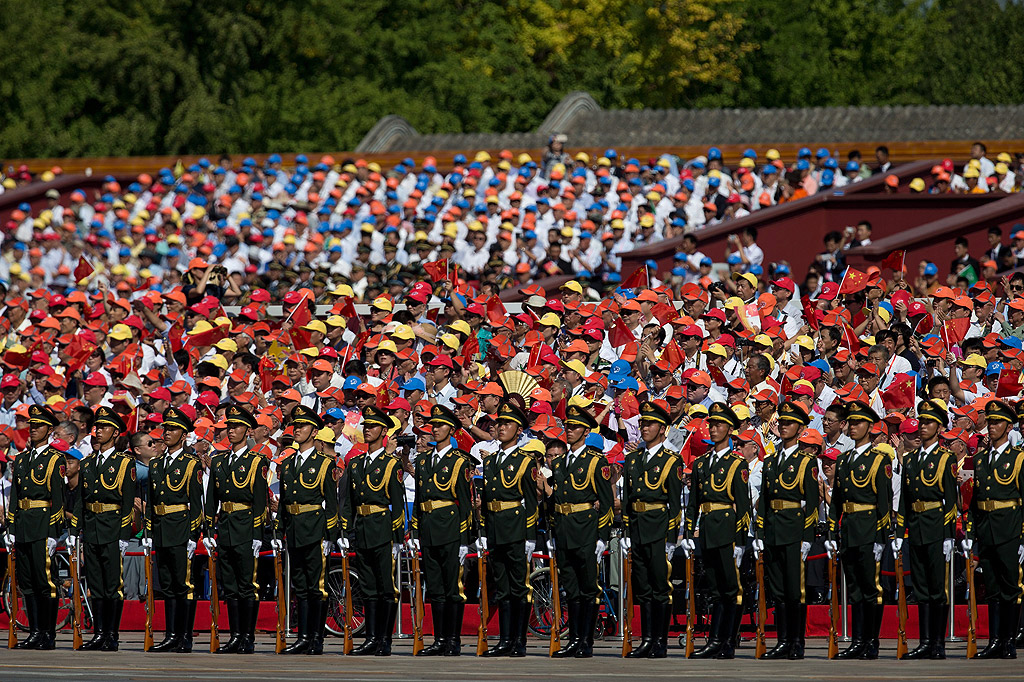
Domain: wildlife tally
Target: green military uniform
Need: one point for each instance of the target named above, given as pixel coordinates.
(994, 522)
(508, 519)
(35, 513)
(373, 517)
(174, 516)
(787, 513)
(237, 498)
(308, 515)
(102, 520)
(927, 512)
(718, 515)
(860, 517)
(583, 515)
(440, 523)
(652, 481)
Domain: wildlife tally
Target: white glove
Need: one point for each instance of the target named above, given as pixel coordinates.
(413, 544)
(123, 546)
(325, 547)
(147, 545)
(551, 545)
(343, 544)
(257, 545)
(9, 539)
(967, 545)
(51, 545)
(737, 555)
(463, 552)
(1020, 554)
(758, 547)
(670, 550)
(276, 546)
(947, 548)
(71, 542)
(877, 549)
(190, 549)
(831, 547)
(805, 549)
(689, 546)
(481, 544)
(599, 549)
(210, 544)
(897, 545)
(625, 543)
(530, 546)
(396, 549)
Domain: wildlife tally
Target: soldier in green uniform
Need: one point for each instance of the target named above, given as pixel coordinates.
(652, 481)
(238, 484)
(174, 515)
(720, 496)
(994, 521)
(308, 514)
(787, 514)
(440, 527)
(103, 520)
(508, 528)
(927, 510)
(35, 515)
(858, 524)
(373, 521)
(581, 527)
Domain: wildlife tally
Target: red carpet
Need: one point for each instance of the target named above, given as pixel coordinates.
(817, 620)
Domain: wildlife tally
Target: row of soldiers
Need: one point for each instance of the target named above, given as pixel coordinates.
(365, 513)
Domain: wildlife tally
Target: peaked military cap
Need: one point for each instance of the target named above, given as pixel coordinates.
(860, 410)
(997, 409)
(239, 415)
(651, 411)
(1020, 409)
(42, 414)
(510, 412)
(174, 417)
(374, 416)
(575, 414)
(303, 414)
(720, 412)
(934, 410)
(792, 411)
(105, 416)
(439, 414)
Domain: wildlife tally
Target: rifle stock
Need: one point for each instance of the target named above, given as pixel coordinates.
(148, 640)
(12, 628)
(691, 606)
(901, 641)
(762, 609)
(556, 602)
(417, 616)
(76, 600)
(627, 613)
(347, 623)
(211, 564)
(282, 610)
(833, 609)
(481, 631)
(972, 609)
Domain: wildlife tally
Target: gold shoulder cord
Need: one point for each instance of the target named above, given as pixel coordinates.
(319, 477)
(798, 480)
(937, 477)
(384, 480)
(870, 478)
(586, 481)
(724, 486)
(995, 471)
(249, 479)
(118, 480)
(660, 483)
(517, 477)
(46, 477)
(447, 487)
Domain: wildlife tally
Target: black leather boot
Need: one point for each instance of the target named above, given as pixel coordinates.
(246, 642)
(318, 624)
(519, 622)
(187, 616)
(456, 609)
(995, 645)
(113, 614)
(797, 630)
(1010, 617)
(505, 634)
(99, 625)
(924, 626)
(781, 648)
(569, 651)
(939, 613)
(644, 649)
(588, 612)
(48, 626)
(730, 618)
(440, 644)
(371, 643)
(231, 646)
(871, 634)
(172, 639)
(388, 611)
(857, 643)
(32, 615)
(715, 643)
(301, 645)
(661, 613)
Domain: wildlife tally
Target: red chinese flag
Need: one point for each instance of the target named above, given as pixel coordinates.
(717, 376)
(383, 396)
(1009, 383)
(438, 270)
(852, 342)
(78, 352)
(470, 348)
(810, 315)
(900, 394)
(496, 307)
(620, 334)
(638, 280)
(83, 269)
(209, 337)
(956, 329)
(177, 329)
(853, 281)
(665, 312)
(674, 355)
(533, 359)
(894, 261)
(361, 341)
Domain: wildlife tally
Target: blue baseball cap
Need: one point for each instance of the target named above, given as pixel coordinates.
(414, 384)
(931, 269)
(619, 368)
(993, 368)
(624, 383)
(351, 383)
(734, 259)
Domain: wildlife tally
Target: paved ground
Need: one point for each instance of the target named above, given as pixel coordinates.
(132, 664)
